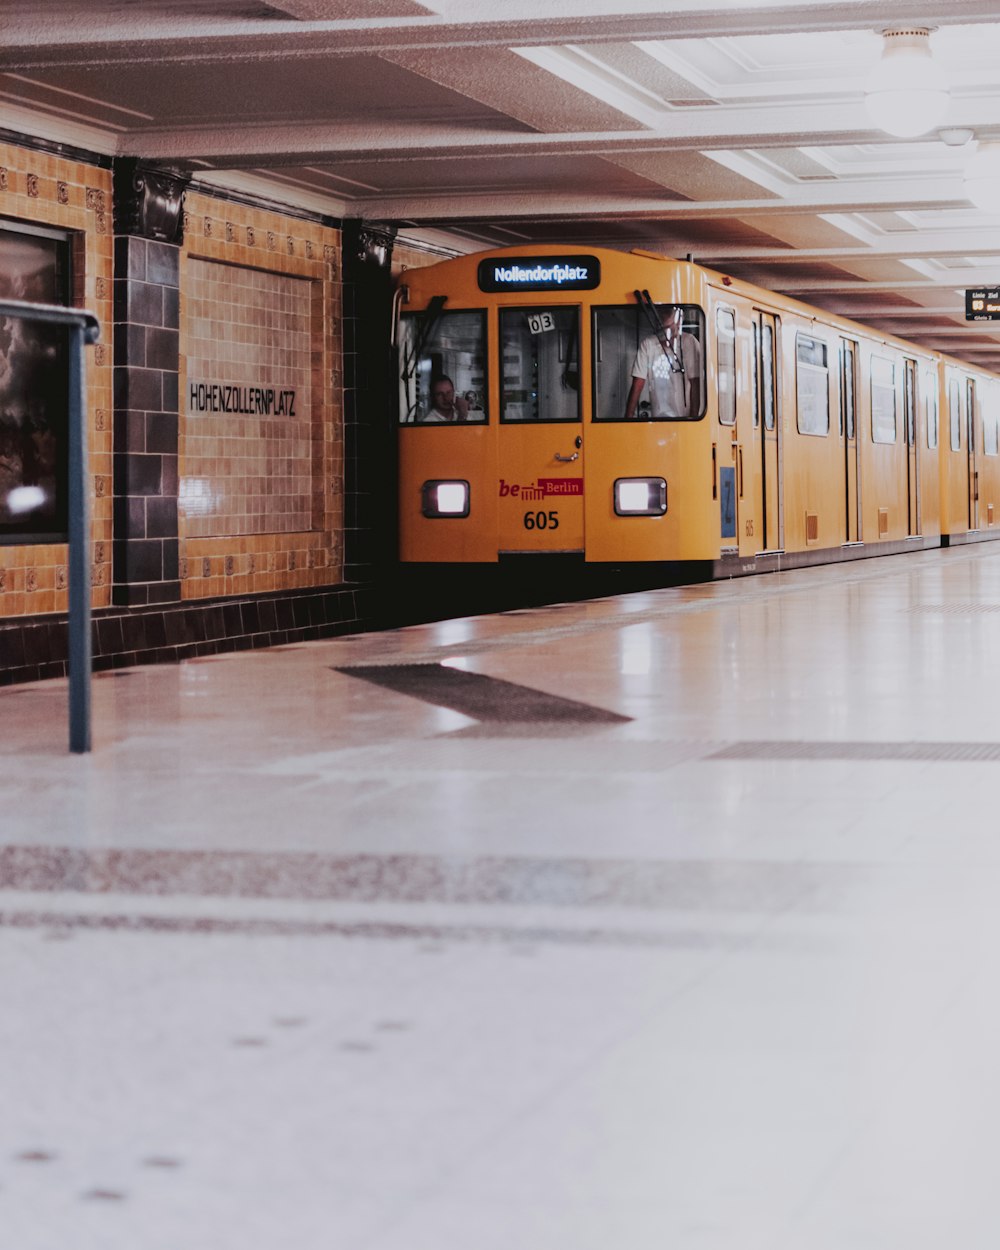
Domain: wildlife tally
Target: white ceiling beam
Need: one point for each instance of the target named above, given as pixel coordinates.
(87, 39)
(932, 244)
(908, 331)
(713, 127)
(809, 197)
(897, 311)
(836, 286)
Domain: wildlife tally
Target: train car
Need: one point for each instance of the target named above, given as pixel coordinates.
(969, 453)
(629, 408)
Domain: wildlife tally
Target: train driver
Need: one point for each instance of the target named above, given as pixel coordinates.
(668, 366)
(445, 404)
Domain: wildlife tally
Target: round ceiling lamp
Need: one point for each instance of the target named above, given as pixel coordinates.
(906, 94)
(982, 177)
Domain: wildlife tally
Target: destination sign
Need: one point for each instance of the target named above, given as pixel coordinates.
(983, 304)
(540, 273)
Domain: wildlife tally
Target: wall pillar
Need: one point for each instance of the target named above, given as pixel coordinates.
(370, 511)
(148, 221)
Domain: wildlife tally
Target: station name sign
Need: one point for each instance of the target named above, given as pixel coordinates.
(540, 273)
(982, 304)
(252, 401)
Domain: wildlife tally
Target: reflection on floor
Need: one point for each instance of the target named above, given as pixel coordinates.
(664, 922)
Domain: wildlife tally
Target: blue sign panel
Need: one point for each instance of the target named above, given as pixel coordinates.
(540, 273)
(727, 500)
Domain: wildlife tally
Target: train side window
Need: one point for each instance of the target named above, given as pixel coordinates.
(540, 364)
(847, 391)
(991, 434)
(442, 367)
(725, 325)
(647, 373)
(970, 411)
(955, 414)
(754, 379)
(812, 386)
(931, 409)
(883, 400)
(767, 369)
(909, 403)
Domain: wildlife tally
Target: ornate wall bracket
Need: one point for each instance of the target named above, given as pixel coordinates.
(373, 245)
(149, 201)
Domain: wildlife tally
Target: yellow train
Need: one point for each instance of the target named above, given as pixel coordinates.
(632, 408)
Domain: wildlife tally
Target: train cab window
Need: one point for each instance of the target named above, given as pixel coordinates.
(649, 363)
(883, 373)
(725, 326)
(812, 386)
(442, 367)
(931, 408)
(540, 364)
(955, 414)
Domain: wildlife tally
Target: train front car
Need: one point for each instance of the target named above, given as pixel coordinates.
(556, 402)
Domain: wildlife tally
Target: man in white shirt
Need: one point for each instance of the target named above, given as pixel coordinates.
(445, 404)
(668, 368)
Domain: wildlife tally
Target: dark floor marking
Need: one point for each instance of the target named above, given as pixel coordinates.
(962, 752)
(560, 881)
(482, 698)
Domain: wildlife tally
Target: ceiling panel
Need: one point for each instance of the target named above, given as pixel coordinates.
(734, 130)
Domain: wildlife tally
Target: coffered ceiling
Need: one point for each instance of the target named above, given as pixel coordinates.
(730, 130)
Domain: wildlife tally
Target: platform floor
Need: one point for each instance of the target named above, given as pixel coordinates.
(666, 922)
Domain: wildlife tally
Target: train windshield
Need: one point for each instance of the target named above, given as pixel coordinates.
(541, 370)
(442, 366)
(649, 367)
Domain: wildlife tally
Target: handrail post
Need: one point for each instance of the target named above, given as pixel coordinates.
(80, 646)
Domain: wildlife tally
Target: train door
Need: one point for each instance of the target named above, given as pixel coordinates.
(912, 448)
(768, 328)
(849, 435)
(731, 511)
(739, 408)
(970, 420)
(540, 491)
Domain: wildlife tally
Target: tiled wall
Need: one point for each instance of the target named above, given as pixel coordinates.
(407, 254)
(74, 196)
(264, 289)
(248, 455)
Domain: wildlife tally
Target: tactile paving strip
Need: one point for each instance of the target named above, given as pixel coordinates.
(987, 752)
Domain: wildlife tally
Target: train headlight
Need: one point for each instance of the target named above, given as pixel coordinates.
(640, 496)
(444, 499)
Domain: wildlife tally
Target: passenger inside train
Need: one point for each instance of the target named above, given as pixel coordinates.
(445, 404)
(666, 370)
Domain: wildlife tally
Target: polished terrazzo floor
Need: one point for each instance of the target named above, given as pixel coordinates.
(665, 922)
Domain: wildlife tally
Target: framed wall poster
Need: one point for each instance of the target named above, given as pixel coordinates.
(34, 388)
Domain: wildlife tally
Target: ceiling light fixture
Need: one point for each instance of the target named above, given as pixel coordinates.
(906, 93)
(982, 177)
(956, 136)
